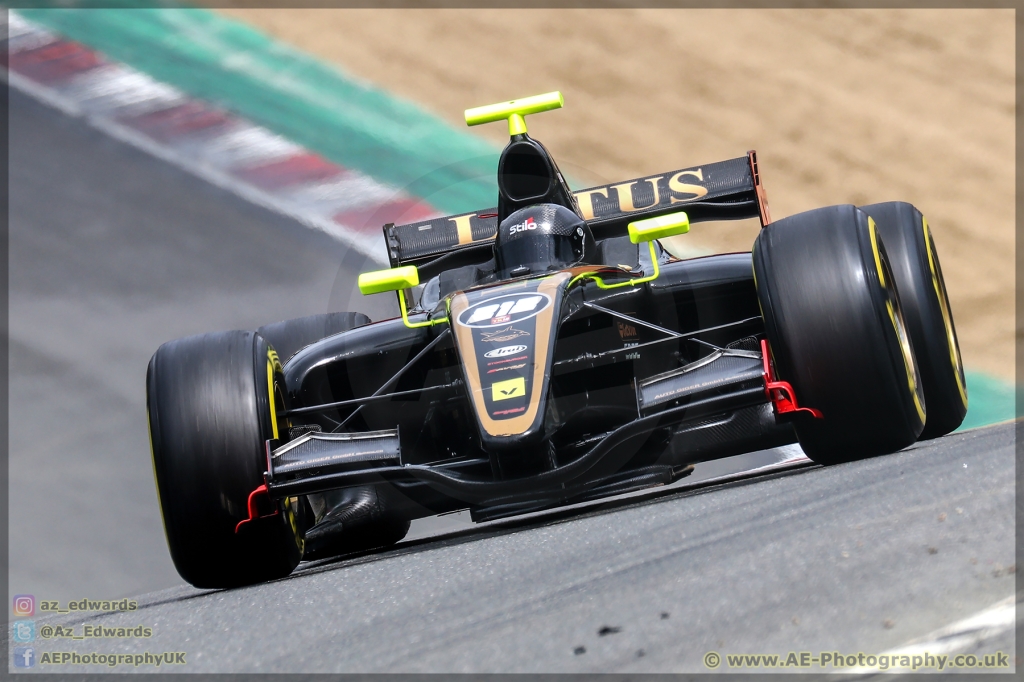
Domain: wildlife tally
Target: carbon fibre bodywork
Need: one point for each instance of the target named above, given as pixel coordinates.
(609, 346)
(506, 387)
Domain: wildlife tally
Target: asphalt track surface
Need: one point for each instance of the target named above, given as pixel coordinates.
(854, 558)
(113, 253)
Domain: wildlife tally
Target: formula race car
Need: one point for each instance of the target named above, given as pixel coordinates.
(551, 351)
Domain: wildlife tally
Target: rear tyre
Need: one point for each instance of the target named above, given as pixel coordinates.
(915, 266)
(211, 402)
(291, 336)
(835, 327)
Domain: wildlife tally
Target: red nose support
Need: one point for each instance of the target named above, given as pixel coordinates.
(781, 394)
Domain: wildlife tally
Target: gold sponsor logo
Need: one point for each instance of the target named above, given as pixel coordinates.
(504, 390)
(463, 227)
(641, 194)
(624, 197)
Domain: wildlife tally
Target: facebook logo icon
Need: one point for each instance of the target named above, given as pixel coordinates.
(24, 657)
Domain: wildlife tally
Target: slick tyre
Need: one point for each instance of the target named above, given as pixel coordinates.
(291, 336)
(211, 402)
(836, 331)
(915, 266)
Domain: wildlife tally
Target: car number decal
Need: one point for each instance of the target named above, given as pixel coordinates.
(504, 310)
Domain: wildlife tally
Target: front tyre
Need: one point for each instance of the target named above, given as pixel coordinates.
(915, 266)
(211, 403)
(836, 331)
(290, 336)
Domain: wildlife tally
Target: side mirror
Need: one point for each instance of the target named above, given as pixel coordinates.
(658, 228)
(647, 231)
(395, 279)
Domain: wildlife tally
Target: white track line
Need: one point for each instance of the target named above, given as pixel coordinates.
(372, 248)
(103, 95)
(955, 638)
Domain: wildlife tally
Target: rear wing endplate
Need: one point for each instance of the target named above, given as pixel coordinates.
(726, 190)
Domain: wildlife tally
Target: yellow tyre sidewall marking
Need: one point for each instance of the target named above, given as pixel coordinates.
(898, 326)
(290, 510)
(291, 503)
(947, 318)
(273, 365)
(152, 459)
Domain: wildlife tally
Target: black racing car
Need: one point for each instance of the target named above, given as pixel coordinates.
(550, 351)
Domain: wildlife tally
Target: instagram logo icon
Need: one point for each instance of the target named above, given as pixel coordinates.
(24, 605)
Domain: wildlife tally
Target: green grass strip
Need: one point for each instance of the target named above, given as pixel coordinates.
(989, 401)
(350, 122)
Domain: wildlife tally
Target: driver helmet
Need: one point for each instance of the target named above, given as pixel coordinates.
(539, 239)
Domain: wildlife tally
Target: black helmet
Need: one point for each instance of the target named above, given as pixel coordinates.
(538, 239)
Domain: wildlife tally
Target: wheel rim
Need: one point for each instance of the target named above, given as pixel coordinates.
(275, 392)
(895, 314)
(273, 369)
(939, 284)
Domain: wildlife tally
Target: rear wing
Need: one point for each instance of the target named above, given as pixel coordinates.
(727, 190)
